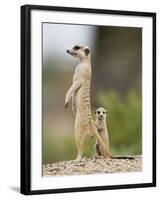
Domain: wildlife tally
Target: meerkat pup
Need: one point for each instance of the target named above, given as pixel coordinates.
(80, 94)
(101, 126)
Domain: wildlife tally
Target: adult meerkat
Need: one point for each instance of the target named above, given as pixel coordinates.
(101, 125)
(80, 94)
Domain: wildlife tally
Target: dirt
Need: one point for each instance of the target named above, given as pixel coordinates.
(93, 165)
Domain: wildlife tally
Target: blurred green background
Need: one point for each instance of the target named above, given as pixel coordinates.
(116, 86)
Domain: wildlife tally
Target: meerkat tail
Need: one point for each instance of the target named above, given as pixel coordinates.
(104, 146)
(123, 157)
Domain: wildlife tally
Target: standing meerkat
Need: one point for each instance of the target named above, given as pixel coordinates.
(81, 106)
(101, 125)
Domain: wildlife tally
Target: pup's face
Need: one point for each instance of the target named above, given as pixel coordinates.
(101, 114)
(79, 51)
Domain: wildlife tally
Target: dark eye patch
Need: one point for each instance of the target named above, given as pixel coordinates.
(98, 112)
(76, 47)
(104, 112)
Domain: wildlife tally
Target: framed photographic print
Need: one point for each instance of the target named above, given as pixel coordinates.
(88, 99)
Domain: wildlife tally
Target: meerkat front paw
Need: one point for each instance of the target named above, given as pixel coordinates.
(66, 105)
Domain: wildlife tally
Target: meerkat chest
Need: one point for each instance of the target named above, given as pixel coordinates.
(102, 132)
(76, 74)
(82, 72)
(101, 127)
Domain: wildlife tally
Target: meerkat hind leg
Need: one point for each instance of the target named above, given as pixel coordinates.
(79, 143)
(97, 149)
(106, 141)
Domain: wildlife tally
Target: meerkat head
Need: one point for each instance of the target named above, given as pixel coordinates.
(101, 113)
(79, 51)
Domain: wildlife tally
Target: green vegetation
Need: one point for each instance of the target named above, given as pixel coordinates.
(57, 149)
(124, 121)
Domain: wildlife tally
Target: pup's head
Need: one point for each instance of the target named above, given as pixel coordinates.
(79, 51)
(101, 113)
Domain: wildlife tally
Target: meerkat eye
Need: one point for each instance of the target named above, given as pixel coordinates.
(98, 112)
(76, 47)
(104, 112)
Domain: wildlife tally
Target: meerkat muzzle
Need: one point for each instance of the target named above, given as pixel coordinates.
(71, 52)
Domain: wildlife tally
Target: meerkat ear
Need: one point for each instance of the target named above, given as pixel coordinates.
(87, 51)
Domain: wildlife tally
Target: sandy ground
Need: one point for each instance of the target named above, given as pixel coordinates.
(93, 165)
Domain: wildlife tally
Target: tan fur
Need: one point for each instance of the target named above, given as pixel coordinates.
(101, 126)
(81, 106)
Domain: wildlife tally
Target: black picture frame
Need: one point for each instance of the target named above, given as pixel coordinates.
(25, 182)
